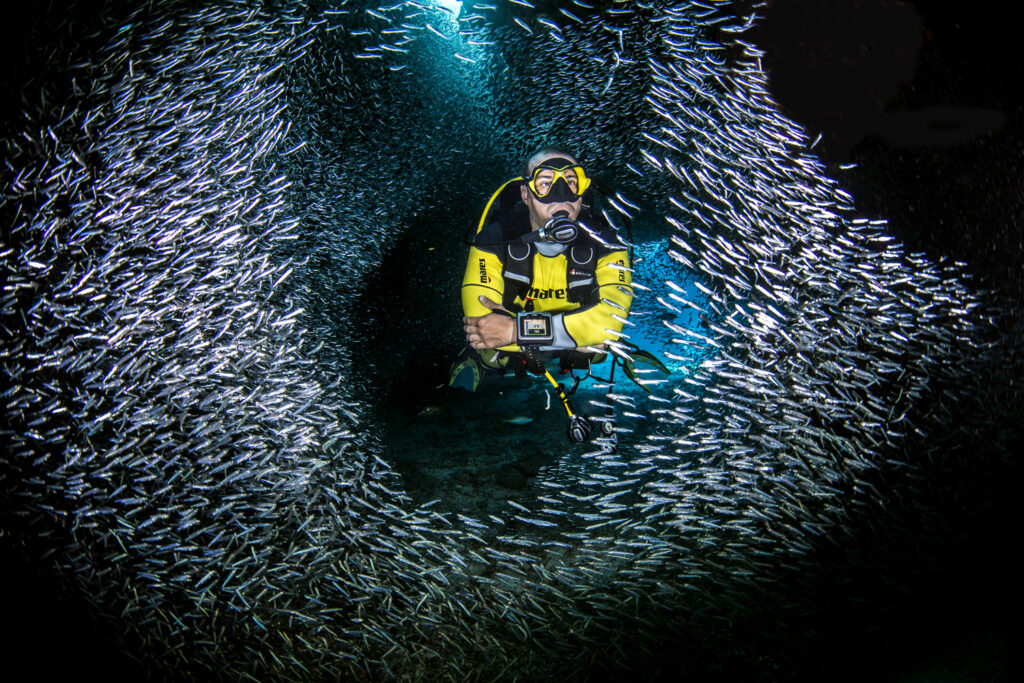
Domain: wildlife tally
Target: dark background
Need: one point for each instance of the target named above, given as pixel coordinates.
(925, 98)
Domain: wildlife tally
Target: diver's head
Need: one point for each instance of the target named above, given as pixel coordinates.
(554, 182)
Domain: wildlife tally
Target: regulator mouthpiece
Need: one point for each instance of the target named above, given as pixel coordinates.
(579, 428)
(560, 229)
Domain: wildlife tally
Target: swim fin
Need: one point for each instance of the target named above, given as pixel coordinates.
(650, 359)
(641, 356)
(466, 372)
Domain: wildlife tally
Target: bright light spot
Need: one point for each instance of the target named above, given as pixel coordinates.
(453, 6)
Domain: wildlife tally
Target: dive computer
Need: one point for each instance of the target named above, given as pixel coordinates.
(534, 329)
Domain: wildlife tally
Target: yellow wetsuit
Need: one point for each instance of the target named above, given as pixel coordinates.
(587, 324)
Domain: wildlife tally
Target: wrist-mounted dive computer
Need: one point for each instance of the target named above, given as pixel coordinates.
(534, 329)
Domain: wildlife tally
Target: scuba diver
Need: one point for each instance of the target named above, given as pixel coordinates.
(548, 278)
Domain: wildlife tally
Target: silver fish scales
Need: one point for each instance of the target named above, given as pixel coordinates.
(185, 273)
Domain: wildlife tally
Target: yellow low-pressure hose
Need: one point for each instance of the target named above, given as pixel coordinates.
(561, 393)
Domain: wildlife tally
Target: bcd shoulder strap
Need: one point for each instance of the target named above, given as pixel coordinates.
(580, 278)
(517, 270)
(581, 263)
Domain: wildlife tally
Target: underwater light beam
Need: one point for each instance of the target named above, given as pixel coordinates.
(453, 6)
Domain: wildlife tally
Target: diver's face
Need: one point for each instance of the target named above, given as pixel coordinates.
(541, 213)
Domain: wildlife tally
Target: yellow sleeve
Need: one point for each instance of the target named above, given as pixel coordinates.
(483, 276)
(588, 326)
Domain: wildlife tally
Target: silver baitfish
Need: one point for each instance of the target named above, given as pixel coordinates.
(219, 221)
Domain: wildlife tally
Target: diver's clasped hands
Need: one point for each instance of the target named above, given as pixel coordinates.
(492, 330)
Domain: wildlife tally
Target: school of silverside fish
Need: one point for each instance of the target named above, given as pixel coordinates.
(196, 192)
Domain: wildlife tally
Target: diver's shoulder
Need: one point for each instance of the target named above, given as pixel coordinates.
(490, 239)
(606, 241)
(489, 233)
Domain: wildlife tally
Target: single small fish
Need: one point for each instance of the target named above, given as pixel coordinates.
(519, 420)
(432, 411)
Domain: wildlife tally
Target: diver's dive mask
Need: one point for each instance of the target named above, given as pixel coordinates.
(558, 180)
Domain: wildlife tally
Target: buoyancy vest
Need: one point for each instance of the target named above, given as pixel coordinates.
(580, 276)
(511, 221)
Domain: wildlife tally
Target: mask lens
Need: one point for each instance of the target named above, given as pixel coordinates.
(570, 177)
(544, 180)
